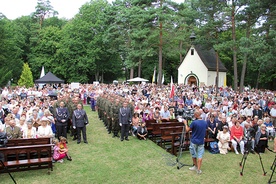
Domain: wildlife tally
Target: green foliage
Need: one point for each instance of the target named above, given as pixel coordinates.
(26, 78)
(105, 41)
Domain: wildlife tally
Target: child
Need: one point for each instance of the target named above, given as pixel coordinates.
(63, 147)
(58, 154)
(142, 131)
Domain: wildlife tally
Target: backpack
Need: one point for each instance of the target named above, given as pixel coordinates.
(214, 148)
(3, 139)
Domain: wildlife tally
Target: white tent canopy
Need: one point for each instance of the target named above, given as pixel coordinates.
(42, 72)
(137, 79)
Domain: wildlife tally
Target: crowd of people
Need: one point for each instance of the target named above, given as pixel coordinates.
(54, 111)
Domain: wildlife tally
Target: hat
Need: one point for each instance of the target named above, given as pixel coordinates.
(44, 119)
(147, 112)
(225, 127)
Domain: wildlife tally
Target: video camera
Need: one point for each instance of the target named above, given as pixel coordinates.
(6, 111)
(249, 136)
(250, 133)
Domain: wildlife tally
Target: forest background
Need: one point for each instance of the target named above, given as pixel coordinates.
(129, 38)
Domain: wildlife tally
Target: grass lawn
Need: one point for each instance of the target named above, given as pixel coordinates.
(108, 160)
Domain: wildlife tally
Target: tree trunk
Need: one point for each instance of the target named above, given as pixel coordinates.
(234, 47)
(258, 77)
(139, 67)
(245, 57)
(180, 51)
(102, 77)
(217, 73)
(97, 76)
(160, 51)
(131, 73)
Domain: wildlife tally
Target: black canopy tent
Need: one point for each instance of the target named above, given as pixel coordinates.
(49, 78)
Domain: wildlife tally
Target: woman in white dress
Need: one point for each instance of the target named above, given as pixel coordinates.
(30, 131)
(45, 129)
(223, 138)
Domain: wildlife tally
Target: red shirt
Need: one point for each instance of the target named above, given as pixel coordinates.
(236, 132)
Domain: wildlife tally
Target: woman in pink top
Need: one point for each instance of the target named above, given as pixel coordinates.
(135, 123)
(236, 137)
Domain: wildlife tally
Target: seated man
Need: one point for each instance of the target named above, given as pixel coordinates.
(13, 132)
(165, 114)
(269, 128)
(142, 131)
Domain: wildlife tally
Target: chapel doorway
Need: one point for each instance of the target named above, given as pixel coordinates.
(192, 81)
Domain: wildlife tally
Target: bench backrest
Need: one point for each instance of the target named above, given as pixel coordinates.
(156, 126)
(26, 152)
(26, 142)
(166, 131)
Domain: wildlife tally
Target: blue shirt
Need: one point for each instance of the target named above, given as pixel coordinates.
(268, 124)
(189, 102)
(198, 128)
(165, 114)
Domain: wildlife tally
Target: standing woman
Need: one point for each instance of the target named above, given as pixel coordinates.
(80, 121)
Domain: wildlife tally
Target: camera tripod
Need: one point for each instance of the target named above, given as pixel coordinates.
(246, 152)
(6, 170)
(181, 147)
(272, 168)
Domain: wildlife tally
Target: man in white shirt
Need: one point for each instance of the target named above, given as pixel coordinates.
(197, 102)
(273, 115)
(165, 114)
(248, 111)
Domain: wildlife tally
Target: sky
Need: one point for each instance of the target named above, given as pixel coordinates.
(13, 9)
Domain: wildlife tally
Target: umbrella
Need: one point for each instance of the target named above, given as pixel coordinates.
(137, 79)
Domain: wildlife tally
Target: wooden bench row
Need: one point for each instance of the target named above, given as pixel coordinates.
(167, 135)
(26, 142)
(175, 144)
(150, 122)
(22, 158)
(27, 154)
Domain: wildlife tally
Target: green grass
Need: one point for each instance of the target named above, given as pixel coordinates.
(108, 160)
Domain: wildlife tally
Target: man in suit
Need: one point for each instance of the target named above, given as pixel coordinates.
(62, 116)
(258, 112)
(80, 121)
(125, 118)
(12, 131)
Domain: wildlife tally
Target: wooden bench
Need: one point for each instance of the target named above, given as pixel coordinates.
(31, 157)
(170, 120)
(149, 123)
(166, 136)
(175, 143)
(156, 132)
(26, 142)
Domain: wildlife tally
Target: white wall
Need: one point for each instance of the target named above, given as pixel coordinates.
(192, 63)
(212, 78)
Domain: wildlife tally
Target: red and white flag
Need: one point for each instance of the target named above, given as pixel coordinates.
(172, 88)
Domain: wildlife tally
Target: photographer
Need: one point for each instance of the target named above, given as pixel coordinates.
(198, 128)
